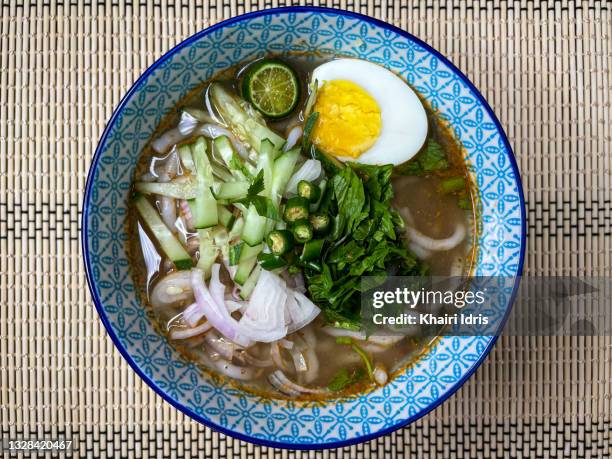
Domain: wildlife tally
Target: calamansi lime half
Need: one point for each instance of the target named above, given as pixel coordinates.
(272, 87)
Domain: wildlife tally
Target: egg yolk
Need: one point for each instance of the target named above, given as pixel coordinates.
(349, 120)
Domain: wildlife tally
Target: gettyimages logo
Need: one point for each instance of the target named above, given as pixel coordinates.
(476, 306)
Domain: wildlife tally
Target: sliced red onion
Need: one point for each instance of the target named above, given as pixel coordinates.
(251, 360)
(310, 170)
(230, 370)
(193, 313)
(171, 289)
(233, 306)
(284, 384)
(294, 135)
(167, 209)
(189, 332)
(186, 214)
(168, 139)
(200, 115)
(263, 319)
(215, 312)
(285, 343)
(302, 311)
(437, 244)
(216, 287)
(236, 290)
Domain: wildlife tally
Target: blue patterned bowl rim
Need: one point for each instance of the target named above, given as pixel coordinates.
(98, 153)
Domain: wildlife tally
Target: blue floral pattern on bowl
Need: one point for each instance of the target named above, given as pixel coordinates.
(420, 387)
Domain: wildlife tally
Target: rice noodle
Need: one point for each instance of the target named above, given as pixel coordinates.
(276, 356)
(420, 251)
(406, 215)
(428, 243)
(218, 344)
(299, 360)
(284, 384)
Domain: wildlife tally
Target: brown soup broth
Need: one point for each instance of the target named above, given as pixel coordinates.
(437, 219)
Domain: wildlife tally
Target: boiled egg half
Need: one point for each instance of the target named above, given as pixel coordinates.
(367, 114)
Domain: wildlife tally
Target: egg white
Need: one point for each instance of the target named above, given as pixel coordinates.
(404, 121)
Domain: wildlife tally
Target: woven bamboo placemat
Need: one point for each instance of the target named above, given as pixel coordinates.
(544, 68)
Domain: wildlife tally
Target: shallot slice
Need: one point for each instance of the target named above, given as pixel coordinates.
(294, 135)
(184, 333)
(171, 289)
(284, 384)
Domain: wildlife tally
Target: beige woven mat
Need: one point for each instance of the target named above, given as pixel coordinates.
(545, 69)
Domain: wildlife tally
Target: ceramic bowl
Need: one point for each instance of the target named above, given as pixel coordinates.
(419, 388)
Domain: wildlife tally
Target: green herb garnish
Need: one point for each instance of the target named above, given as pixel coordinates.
(264, 205)
(343, 378)
(430, 158)
(363, 241)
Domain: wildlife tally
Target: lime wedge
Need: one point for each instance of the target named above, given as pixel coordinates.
(272, 87)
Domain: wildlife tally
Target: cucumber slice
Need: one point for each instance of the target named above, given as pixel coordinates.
(244, 269)
(265, 164)
(177, 190)
(236, 228)
(184, 152)
(282, 172)
(234, 253)
(226, 217)
(254, 227)
(238, 168)
(248, 260)
(208, 251)
(169, 244)
(204, 206)
(251, 282)
(244, 125)
(232, 190)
